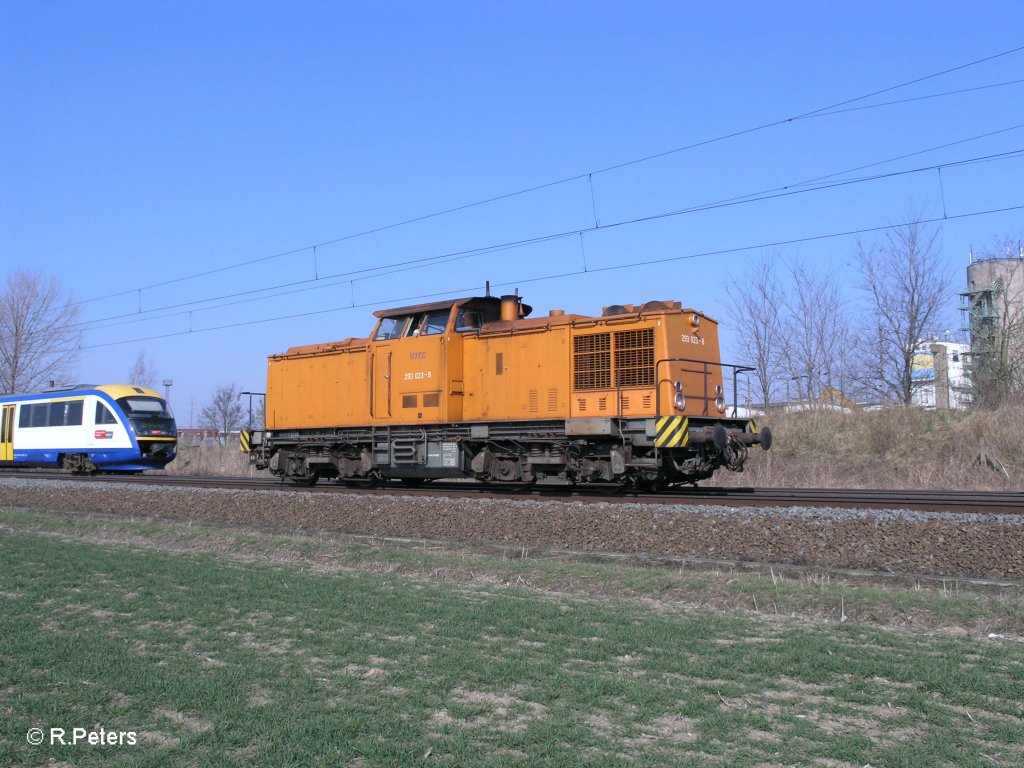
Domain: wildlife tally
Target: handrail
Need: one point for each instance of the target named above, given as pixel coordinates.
(736, 371)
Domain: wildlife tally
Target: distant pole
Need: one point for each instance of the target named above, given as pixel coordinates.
(168, 383)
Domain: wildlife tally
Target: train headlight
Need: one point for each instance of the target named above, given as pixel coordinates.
(720, 404)
(679, 401)
(718, 390)
(695, 320)
(679, 385)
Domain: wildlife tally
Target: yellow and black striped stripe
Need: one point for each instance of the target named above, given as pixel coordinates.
(672, 432)
(245, 440)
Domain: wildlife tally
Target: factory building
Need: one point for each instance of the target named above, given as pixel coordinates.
(993, 312)
(940, 376)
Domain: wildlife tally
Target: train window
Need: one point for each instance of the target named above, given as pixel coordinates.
(63, 413)
(40, 415)
(57, 414)
(467, 320)
(25, 416)
(103, 415)
(434, 323)
(73, 414)
(391, 328)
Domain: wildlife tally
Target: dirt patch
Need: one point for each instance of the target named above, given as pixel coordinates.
(675, 728)
(192, 724)
(503, 712)
(158, 739)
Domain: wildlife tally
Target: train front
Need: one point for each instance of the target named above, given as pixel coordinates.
(698, 430)
(149, 418)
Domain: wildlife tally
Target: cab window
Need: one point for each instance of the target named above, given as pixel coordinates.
(391, 328)
(468, 320)
(434, 323)
(103, 415)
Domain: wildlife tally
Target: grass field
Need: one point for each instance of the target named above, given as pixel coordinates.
(227, 647)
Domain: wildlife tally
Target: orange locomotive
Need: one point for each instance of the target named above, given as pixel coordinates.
(477, 388)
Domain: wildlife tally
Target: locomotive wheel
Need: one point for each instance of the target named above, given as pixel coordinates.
(305, 482)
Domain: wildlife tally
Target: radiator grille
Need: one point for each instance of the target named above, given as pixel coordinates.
(592, 361)
(632, 353)
(634, 358)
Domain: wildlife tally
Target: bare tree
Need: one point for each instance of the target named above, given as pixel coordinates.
(754, 310)
(142, 372)
(224, 413)
(816, 331)
(996, 321)
(907, 288)
(39, 340)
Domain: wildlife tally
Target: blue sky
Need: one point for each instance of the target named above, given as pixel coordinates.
(144, 143)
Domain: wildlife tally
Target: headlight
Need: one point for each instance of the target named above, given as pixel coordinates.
(720, 404)
(695, 320)
(679, 401)
(718, 390)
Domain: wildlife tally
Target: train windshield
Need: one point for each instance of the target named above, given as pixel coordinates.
(145, 407)
(150, 416)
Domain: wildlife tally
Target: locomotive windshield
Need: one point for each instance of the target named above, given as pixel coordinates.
(150, 416)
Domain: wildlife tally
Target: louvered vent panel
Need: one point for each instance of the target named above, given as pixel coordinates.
(592, 361)
(634, 358)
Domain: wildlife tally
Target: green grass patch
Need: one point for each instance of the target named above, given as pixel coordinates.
(224, 647)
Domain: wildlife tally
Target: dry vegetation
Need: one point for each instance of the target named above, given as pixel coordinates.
(213, 460)
(890, 448)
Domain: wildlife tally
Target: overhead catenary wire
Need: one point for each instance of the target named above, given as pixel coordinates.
(821, 111)
(571, 273)
(326, 281)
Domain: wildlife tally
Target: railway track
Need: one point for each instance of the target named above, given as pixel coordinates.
(910, 532)
(976, 502)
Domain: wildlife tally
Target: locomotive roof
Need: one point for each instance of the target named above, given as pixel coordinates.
(448, 304)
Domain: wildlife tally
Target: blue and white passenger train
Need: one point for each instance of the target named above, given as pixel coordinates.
(87, 429)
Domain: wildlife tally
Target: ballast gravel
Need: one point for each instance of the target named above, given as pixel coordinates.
(901, 541)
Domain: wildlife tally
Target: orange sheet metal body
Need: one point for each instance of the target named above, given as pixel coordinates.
(460, 362)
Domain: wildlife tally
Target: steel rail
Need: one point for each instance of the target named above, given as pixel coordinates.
(977, 502)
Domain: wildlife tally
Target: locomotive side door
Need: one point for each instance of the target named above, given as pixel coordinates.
(7, 433)
(380, 381)
(419, 369)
